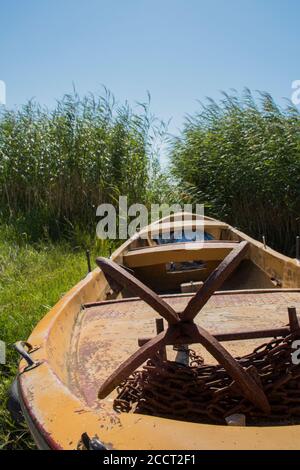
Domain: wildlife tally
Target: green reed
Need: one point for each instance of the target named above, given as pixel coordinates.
(241, 157)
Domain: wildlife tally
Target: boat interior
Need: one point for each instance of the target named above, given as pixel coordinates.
(175, 256)
(175, 260)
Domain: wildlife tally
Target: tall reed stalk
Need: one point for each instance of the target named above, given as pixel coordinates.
(57, 166)
(241, 157)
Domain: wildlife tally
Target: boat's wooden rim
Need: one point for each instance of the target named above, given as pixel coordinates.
(180, 243)
(184, 224)
(133, 431)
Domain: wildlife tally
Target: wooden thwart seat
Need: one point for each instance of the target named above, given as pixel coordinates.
(167, 227)
(178, 252)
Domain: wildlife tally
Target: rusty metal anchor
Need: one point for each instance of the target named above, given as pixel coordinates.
(181, 327)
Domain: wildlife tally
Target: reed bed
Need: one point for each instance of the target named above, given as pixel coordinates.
(241, 158)
(57, 166)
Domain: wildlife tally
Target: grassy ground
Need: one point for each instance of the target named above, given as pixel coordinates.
(32, 279)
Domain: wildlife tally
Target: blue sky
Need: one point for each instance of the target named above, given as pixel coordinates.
(179, 50)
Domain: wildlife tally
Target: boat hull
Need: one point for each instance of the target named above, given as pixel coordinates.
(58, 395)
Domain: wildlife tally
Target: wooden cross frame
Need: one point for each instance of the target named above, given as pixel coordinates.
(181, 327)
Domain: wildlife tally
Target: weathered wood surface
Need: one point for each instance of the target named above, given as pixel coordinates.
(122, 277)
(215, 281)
(177, 252)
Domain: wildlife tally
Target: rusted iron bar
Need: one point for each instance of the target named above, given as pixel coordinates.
(270, 365)
(159, 322)
(159, 328)
(293, 319)
(214, 281)
(123, 278)
(236, 336)
(249, 387)
(133, 362)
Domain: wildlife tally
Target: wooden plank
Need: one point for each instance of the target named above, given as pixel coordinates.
(214, 281)
(186, 224)
(275, 291)
(293, 320)
(178, 252)
(236, 335)
(122, 277)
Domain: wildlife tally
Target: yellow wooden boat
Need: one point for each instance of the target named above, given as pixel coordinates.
(154, 348)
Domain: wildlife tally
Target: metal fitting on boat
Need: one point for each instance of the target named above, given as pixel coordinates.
(20, 348)
(92, 443)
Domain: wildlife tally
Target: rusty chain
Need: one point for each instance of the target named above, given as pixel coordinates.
(206, 393)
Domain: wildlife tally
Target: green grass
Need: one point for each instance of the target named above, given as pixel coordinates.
(32, 280)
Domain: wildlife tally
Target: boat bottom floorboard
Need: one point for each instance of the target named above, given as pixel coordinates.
(106, 333)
